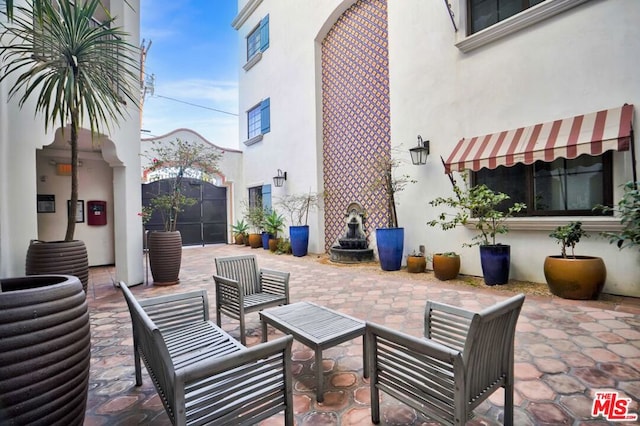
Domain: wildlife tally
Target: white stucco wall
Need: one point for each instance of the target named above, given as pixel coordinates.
(578, 61)
(230, 166)
(22, 136)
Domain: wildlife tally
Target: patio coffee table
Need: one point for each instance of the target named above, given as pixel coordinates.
(316, 327)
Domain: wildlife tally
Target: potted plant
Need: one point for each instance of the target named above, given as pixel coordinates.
(176, 159)
(298, 206)
(446, 266)
(273, 224)
(628, 209)
(416, 262)
(240, 231)
(572, 276)
(389, 240)
(95, 65)
(255, 219)
(482, 204)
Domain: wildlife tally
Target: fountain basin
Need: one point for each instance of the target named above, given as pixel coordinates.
(345, 255)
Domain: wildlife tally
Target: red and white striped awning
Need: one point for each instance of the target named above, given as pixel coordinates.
(591, 134)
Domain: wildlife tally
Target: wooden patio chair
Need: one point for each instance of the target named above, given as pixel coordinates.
(242, 287)
(462, 360)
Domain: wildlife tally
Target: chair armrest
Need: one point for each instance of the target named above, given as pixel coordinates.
(175, 311)
(227, 290)
(274, 282)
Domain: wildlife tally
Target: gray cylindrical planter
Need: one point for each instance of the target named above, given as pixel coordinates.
(59, 257)
(45, 350)
(165, 256)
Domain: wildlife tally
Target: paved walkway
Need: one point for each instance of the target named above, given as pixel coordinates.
(564, 351)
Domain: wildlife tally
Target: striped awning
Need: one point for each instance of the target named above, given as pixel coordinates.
(591, 134)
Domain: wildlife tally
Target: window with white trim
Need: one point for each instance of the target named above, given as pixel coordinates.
(258, 39)
(259, 119)
(485, 13)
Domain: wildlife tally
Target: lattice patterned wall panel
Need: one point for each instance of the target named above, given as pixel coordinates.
(356, 116)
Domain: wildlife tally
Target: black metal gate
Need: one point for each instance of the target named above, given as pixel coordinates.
(203, 223)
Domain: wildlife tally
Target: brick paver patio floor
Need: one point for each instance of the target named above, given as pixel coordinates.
(564, 351)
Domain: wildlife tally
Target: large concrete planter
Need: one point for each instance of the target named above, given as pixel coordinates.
(165, 256)
(59, 258)
(580, 278)
(45, 350)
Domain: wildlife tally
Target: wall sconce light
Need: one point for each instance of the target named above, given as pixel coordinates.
(419, 154)
(279, 180)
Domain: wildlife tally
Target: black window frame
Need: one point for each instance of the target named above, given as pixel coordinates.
(528, 178)
(525, 4)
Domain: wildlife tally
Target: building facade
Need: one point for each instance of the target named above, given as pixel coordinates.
(35, 187)
(535, 98)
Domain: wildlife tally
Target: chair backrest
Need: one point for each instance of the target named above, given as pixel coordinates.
(243, 269)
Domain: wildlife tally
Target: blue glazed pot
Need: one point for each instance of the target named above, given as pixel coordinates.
(299, 240)
(265, 240)
(390, 242)
(495, 261)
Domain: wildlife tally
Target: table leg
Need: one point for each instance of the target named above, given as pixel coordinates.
(319, 375)
(264, 331)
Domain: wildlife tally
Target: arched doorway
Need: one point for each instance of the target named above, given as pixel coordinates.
(205, 222)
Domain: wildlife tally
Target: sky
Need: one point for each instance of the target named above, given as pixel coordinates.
(194, 57)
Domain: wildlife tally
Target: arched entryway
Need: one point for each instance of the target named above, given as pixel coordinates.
(205, 222)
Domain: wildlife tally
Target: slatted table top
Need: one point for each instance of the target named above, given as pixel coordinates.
(313, 325)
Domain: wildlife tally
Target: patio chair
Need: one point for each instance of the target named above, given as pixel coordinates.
(464, 358)
(242, 287)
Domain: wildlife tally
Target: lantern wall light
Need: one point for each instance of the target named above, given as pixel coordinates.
(278, 180)
(419, 153)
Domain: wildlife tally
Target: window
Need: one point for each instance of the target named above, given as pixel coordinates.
(259, 119)
(485, 13)
(559, 188)
(260, 196)
(258, 39)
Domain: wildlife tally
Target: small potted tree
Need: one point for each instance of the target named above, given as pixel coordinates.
(297, 207)
(573, 276)
(482, 204)
(389, 240)
(255, 220)
(175, 159)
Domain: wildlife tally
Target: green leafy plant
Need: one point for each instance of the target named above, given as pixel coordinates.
(255, 218)
(240, 228)
(297, 206)
(274, 223)
(284, 246)
(628, 209)
(79, 70)
(478, 202)
(416, 253)
(568, 236)
(174, 161)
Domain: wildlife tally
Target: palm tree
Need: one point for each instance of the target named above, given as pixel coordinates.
(78, 69)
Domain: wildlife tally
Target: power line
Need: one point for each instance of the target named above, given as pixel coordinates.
(196, 105)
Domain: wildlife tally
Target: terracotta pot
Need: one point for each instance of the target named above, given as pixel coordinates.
(58, 258)
(446, 267)
(416, 264)
(239, 239)
(165, 256)
(273, 243)
(255, 240)
(45, 350)
(580, 278)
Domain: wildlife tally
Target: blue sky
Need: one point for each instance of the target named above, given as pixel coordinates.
(193, 56)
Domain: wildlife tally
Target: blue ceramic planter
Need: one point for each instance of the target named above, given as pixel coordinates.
(390, 242)
(495, 261)
(299, 236)
(265, 240)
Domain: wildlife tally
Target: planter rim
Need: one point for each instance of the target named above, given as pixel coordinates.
(446, 255)
(573, 258)
(387, 228)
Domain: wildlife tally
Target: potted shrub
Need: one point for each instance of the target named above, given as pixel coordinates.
(95, 65)
(298, 206)
(628, 209)
(416, 262)
(240, 231)
(255, 219)
(482, 204)
(389, 240)
(446, 266)
(176, 159)
(273, 224)
(572, 276)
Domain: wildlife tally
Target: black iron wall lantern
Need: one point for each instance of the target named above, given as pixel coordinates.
(279, 180)
(419, 154)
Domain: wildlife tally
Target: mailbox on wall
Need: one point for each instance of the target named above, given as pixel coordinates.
(97, 212)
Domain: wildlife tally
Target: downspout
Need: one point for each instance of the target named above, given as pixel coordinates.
(633, 161)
